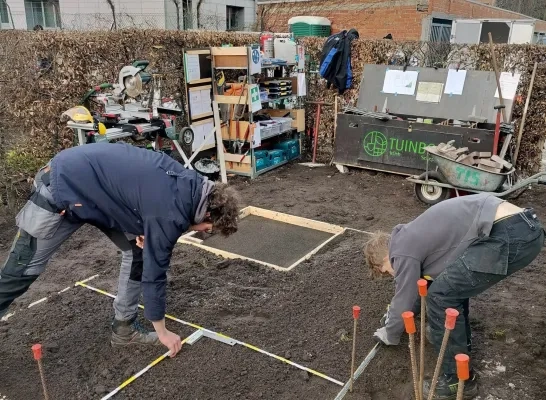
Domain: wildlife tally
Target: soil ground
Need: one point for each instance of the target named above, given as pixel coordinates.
(303, 315)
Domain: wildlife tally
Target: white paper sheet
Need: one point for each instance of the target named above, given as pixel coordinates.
(195, 102)
(257, 137)
(198, 137)
(429, 92)
(193, 69)
(206, 102)
(400, 82)
(455, 82)
(509, 85)
(207, 129)
(302, 84)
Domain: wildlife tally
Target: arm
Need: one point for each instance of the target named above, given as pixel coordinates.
(161, 236)
(407, 273)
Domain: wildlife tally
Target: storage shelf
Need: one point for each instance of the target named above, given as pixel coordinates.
(278, 65)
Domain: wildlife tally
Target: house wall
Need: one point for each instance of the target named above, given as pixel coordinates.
(17, 8)
(374, 20)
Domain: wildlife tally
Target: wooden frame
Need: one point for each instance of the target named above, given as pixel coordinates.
(335, 230)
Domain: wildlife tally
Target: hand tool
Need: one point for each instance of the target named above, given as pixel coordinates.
(463, 373)
(451, 319)
(422, 285)
(356, 313)
(37, 351)
(409, 324)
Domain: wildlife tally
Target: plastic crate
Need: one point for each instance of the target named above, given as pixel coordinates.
(286, 123)
(262, 163)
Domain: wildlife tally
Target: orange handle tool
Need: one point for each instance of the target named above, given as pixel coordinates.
(422, 285)
(409, 322)
(356, 312)
(463, 371)
(451, 318)
(37, 351)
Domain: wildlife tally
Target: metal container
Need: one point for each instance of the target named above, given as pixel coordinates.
(469, 177)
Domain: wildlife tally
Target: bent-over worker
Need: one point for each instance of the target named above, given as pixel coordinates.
(462, 246)
(127, 192)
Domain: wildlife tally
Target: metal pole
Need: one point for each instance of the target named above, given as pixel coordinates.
(497, 75)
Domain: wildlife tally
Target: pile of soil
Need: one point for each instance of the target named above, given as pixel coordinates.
(304, 315)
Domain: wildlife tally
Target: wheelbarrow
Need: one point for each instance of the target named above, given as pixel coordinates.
(432, 187)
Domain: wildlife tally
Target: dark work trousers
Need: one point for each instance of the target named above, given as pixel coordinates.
(514, 242)
(29, 255)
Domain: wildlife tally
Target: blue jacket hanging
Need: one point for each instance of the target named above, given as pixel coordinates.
(335, 60)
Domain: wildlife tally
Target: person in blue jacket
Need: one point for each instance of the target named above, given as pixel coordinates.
(142, 200)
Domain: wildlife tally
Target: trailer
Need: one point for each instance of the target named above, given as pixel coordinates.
(474, 31)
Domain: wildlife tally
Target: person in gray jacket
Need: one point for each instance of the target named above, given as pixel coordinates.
(462, 246)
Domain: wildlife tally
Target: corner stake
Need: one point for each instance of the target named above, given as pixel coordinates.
(422, 285)
(451, 319)
(37, 351)
(463, 373)
(356, 313)
(409, 323)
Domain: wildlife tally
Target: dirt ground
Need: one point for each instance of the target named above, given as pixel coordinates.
(303, 315)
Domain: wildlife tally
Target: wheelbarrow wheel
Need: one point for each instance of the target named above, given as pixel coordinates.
(429, 194)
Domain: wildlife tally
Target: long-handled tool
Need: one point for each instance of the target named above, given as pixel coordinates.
(451, 319)
(356, 313)
(409, 323)
(37, 351)
(463, 373)
(422, 285)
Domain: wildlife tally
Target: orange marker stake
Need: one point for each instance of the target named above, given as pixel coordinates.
(37, 351)
(422, 285)
(463, 372)
(356, 313)
(451, 319)
(409, 323)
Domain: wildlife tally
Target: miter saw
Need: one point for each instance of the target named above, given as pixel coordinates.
(129, 111)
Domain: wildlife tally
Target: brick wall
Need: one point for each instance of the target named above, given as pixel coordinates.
(374, 19)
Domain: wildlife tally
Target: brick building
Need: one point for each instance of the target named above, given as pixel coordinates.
(404, 19)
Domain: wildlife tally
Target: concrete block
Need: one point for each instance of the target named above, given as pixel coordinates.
(485, 154)
(488, 168)
(502, 162)
(490, 163)
(462, 150)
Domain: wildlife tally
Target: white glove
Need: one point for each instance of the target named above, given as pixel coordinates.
(384, 319)
(381, 336)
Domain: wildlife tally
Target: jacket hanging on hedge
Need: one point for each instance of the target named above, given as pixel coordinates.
(335, 60)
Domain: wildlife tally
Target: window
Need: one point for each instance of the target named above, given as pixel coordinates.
(42, 12)
(235, 18)
(4, 14)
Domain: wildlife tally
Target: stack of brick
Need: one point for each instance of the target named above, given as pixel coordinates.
(480, 159)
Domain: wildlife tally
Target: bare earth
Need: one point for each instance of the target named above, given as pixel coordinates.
(303, 315)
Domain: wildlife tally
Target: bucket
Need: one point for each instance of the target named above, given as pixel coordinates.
(208, 168)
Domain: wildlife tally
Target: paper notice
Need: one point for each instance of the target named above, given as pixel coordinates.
(206, 101)
(455, 82)
(429, 92)
(257, 137)
(400, 82)
(195, 102)
(509, 85)
(302, 85)
(193, 69)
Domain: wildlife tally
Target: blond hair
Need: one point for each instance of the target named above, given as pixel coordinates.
(375, 251)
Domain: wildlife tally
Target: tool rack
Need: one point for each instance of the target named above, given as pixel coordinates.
(245, 58)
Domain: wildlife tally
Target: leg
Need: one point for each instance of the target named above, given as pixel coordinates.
(130, 275)
(125, 328)
(27, 260)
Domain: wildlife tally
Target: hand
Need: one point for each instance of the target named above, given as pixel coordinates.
(171, 340)
(140, 241)
(381, 336)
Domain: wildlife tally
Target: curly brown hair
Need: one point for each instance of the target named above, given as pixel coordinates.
(375, 251)
(224, 209)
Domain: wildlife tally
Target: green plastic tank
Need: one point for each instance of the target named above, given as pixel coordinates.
(310, 26)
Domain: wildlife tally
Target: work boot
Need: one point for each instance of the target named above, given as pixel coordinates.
(447, 387)
(131, 332)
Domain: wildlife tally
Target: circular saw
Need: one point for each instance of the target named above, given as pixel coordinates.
(132, 77)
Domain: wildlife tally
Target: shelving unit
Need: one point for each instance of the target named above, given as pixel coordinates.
(242, 145)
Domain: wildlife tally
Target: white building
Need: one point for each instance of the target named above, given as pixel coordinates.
(97, 14)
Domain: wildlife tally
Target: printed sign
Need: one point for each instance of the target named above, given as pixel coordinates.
(255, 102)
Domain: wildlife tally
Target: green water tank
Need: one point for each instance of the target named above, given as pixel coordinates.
(310, 26)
